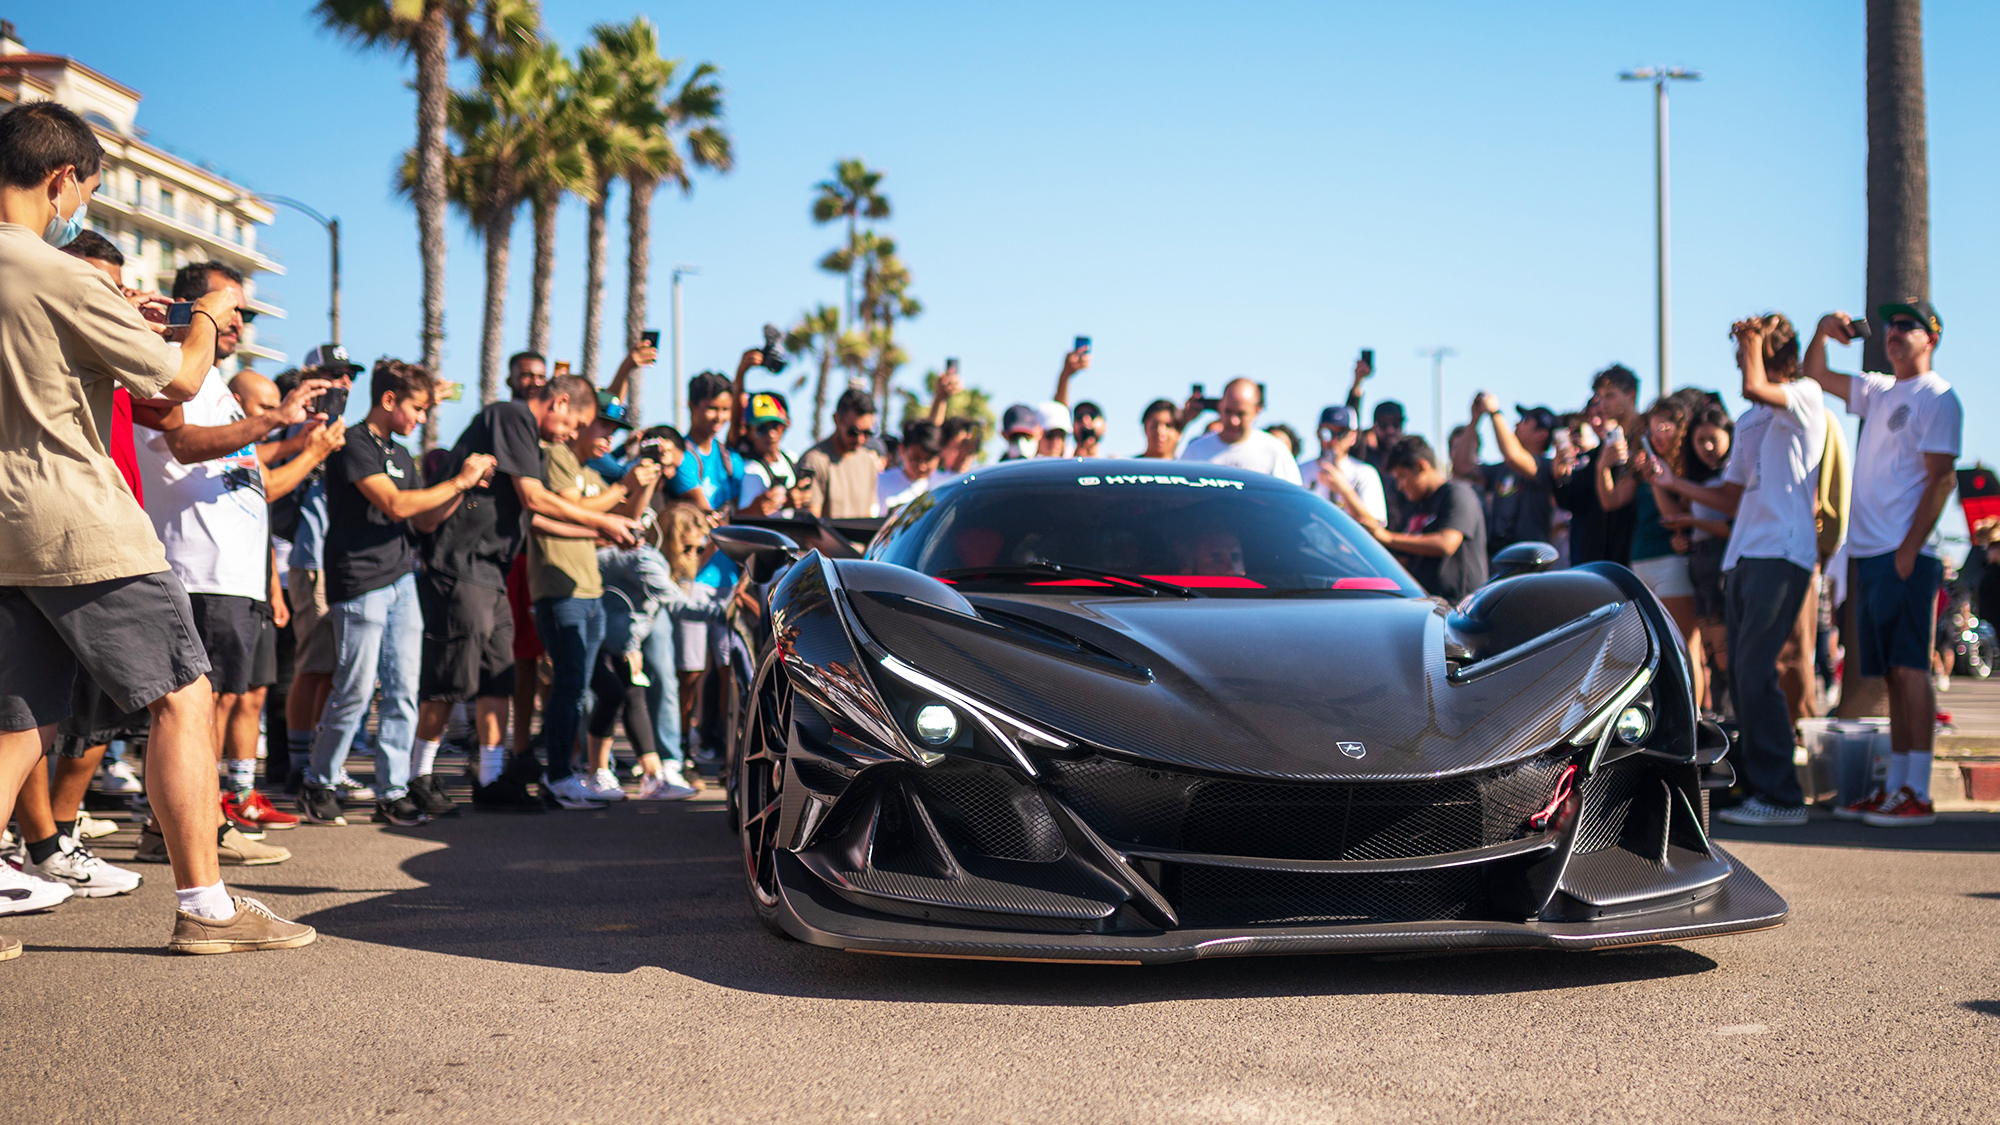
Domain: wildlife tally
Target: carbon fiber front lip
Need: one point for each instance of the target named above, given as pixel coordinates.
(814, 915)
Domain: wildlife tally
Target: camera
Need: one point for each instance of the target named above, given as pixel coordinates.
(773, 350)
(654, 450)
(180, 314)
(331, 402)
(1859, 329)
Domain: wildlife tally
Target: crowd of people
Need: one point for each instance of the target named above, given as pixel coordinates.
(208, 572)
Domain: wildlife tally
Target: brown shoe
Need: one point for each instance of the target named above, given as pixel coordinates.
(152, 847)
(236, 849)
(251, 928)
(10, 948)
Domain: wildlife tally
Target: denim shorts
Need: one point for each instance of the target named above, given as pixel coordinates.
(1896, 617)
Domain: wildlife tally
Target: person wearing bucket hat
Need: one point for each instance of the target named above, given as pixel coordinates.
(1912, 430)
(1337, 437)
(1520, 487)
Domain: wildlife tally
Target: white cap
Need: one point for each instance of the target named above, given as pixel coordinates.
(1055, 416)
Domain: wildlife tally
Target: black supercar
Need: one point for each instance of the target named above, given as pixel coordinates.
(1148, 711)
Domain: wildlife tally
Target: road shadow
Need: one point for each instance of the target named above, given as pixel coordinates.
(1953, 832)
(1983, 1007)
(661, 886)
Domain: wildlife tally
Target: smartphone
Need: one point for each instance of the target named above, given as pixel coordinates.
(180, 314)
(562, 368)
(332, 402)
(1082, 343)
(1368, 358)
(1561, 438)
(802, 478)
(951, 364)
(450, 392)
(651, 338)
(1859, 329)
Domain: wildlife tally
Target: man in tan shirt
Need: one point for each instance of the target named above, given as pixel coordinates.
(843, 469)
(84, 585)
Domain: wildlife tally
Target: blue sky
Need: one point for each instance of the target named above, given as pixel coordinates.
(1206, 190)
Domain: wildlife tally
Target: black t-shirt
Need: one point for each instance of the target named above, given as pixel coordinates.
(365, 549)
(1518, 508)
(1453, 506)
(1595, 535)
(479, 541)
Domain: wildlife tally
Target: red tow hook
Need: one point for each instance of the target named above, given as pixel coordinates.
(1564, 784)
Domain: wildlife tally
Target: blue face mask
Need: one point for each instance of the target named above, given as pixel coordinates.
(61, 232)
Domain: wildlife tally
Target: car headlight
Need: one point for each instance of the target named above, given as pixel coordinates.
(935, 724)
(1634, 724)
(931, 718)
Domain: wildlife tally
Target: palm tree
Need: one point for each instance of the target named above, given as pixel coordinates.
(609, 144)
(427, 30)
(885, 300)
(817, 334)
(969, 402)
(557, 165)
(854, 193)
(674, 131)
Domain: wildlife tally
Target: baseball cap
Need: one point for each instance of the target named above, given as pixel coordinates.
(1390, 409)
(1020, 418)
(332, 357)
(1336, 418)
(1543, 416)
(1922, 310)
(1055, 417)
(1086, 410)
(768, 406)
(613, 411)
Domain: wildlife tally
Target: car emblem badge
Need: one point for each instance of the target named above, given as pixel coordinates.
(1353, 749)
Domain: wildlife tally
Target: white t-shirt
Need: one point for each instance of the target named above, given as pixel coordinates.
(894, 488)
(1258, 452)
(1361, 477)
(759, 478)
(211, 516)
(1902, 419)
(1775, 457)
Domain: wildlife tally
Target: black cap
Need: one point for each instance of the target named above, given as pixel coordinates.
(1391, 408)
(1543, 416)
(1922, 310)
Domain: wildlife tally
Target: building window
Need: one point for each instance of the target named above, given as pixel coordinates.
(167, 203)
(166, 253)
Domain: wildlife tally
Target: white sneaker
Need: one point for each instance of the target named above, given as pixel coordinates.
(87, 875)
(662, 788)
(348, 789)
(89, 827)
(605, 784)
(1759, 813)
(117, 778)
(573, 792)
(12, 854)
(22, 893)
(672, 772)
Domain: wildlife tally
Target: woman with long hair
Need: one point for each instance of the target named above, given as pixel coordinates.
(1704, 457)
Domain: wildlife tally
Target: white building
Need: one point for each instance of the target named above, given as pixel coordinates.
(160, 210)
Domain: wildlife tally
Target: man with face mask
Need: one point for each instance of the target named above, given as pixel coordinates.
(84, 583)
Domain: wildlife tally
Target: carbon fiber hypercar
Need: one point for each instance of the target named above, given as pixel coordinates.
(1149, 711)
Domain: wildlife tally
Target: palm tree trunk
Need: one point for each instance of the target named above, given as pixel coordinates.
(499, 234)
(1899, 230)
(429, 47)
(638, 258)
(819, 391)
(883, 371)
(545, 271)
(593, 292)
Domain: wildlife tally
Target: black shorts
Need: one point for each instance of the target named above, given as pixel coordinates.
(95, 721)
(468, 640)
(1705, 571)
(264, 658)
(1896, 618)
(135, 637)
(228, 626)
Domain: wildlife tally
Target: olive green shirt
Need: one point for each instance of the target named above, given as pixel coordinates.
(559, 567)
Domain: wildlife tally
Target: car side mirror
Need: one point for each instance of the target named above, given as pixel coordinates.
(759, 550)
(1522, 558)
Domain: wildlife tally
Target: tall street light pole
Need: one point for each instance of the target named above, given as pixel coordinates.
(1659, 76)
(679, 272)
(333, 257)
(1437, 393)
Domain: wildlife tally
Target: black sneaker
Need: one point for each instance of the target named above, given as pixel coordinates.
(319, 804)
(506, 794)
(429, 796)
(402, 812)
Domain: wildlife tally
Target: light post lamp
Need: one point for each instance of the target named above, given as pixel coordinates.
(680, 271)
(1659, 76)
(1437, 356)
(333, 248)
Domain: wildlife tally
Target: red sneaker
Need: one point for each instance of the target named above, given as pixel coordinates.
(1861, 808)
(252, 811)
(1904, 810)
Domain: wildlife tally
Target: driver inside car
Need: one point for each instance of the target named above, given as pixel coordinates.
(1214, 552)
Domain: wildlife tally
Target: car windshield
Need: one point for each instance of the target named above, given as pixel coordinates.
(1187, 530)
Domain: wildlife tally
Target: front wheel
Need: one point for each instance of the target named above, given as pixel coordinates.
(758, 775)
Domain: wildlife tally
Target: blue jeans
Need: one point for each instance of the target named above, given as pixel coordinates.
(572, 631)
(377, 635)
(663, 695)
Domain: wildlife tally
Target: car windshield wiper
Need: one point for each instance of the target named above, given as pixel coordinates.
(1114, 578)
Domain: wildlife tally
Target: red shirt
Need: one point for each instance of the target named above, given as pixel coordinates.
(122, 454)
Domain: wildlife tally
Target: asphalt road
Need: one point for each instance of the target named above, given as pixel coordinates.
(604, 966)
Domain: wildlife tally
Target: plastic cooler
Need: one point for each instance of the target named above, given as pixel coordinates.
(1842, 760)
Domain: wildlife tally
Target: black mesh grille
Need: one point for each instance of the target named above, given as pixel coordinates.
(1134, 805)
(1607, 804)
(1217, 896)
(982, 808)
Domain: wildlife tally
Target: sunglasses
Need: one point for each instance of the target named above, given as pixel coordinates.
(1905, 324)
(857, 432)
(248, 315)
